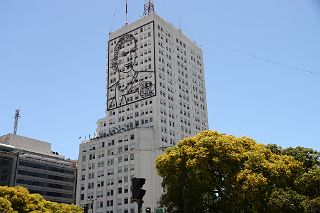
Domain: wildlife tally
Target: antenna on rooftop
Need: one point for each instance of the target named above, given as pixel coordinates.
(16, 119)
(126, 12)
(148, 7)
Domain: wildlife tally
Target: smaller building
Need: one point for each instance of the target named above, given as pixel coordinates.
(8, 165)
(32, 164)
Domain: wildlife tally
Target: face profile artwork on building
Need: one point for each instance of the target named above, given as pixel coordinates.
(129, 81)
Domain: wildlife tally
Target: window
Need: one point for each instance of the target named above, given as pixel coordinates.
(120, 149)
(100, 184)
(119, 201)
(125, 201)
(92, 157)
(91, 165)
(109, 202)
(101, 164)
(100, 155)
(110, 192)
(126, 189)
(91, 175)
(110, 171)
(100, 173)
(110, 162)
(90, 185)
(100, 204)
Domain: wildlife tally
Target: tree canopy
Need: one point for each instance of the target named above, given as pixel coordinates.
(19, 200)
(214, 172)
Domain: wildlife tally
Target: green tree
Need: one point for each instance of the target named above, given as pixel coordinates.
(62, 208)
(18, 199)
(312, 206)
(307, 184)
(213, 172)
(286, 200)
(5, 206)
(309, 157)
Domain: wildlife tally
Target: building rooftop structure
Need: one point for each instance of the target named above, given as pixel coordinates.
(25, 143)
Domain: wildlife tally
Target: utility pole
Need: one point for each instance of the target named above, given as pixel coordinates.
(16, 119)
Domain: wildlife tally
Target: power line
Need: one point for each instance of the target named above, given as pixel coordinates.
(267, 60)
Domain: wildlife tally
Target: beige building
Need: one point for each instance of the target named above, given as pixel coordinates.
(155, 97)
(31, 163)
(27, 144)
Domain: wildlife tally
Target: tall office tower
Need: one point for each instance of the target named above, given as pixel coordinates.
(155, 97)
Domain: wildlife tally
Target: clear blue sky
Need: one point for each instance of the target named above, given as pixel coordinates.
(53, 64)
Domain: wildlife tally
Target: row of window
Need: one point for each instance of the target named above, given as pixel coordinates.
(110, 203)
(46, 167)
(52, 194)
(110, 162)
(110, 143)
(138, 107)
(45, 176)
(44, 184)
(110, 181)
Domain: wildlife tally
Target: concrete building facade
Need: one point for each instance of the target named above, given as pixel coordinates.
(155, 97)
(8, 166)
(31, 163)
(27, 144)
